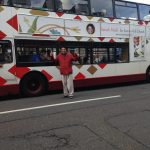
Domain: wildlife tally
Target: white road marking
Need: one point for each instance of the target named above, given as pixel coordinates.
(59, 104)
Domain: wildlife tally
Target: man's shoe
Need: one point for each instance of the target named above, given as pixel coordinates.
(65, 96)
(71, 97)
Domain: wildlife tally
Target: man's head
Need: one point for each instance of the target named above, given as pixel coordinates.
(63, 51)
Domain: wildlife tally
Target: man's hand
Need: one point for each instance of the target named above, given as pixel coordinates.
(76, 52)
(51, 54)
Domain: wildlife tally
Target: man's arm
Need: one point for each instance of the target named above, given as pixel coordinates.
(75, 56)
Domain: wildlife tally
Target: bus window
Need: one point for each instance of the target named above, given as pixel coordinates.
(76, 6)
(81, 48)
(6, 2)
(111, 56)
(102, 8)
(43, 4)
(103, 53)
(144, 12)
(33, 53)
(20, 3)
(59, 5)
(100, 55)
(83, 55)
(1, 2)
(5, 52)
(122, 53)
(125, 10)
(44, 53)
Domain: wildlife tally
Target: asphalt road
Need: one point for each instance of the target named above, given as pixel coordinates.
(112, 118)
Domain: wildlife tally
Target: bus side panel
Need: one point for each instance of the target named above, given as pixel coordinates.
(109, 80)
(99, 81)
(9, 89)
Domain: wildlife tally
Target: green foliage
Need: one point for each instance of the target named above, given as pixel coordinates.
(33, 27)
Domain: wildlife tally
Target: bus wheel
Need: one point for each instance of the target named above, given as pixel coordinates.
(148, 75)
(33, 84)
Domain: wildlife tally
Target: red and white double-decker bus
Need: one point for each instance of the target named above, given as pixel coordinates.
(112, 39)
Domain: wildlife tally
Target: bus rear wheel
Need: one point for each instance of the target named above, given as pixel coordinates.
(33, 84)
(148, 75)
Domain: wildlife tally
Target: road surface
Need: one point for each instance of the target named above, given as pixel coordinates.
(112, 118)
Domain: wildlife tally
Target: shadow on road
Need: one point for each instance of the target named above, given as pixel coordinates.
(14, 97)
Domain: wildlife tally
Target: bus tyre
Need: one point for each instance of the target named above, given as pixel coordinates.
(148, 75)
(33, 84)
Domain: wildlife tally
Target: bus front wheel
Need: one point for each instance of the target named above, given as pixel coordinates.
(33, 84)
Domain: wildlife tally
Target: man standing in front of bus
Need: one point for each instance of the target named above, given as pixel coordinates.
(65, 59)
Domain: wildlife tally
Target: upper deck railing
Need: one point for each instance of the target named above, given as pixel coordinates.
(98, 8)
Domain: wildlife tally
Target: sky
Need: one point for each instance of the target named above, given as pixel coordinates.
(140, 1)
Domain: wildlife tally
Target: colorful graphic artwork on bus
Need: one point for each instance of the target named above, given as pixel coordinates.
(90, 29)
(51, 26)
(138, 47)
(67, 27)
(40, 25)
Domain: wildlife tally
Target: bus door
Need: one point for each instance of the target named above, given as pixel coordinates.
(7, 74)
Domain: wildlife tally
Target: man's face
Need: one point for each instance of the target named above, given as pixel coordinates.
(63, 51)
